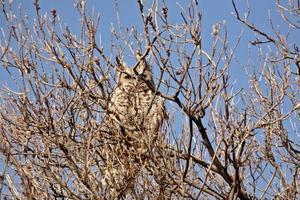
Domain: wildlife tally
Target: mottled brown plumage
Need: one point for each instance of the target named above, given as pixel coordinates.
(131, 126)
(135, 112)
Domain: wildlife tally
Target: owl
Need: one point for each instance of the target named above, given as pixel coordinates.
(135, 114)
(131, 127)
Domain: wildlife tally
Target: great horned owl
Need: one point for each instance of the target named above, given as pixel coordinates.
(134, 111)
(132, 123)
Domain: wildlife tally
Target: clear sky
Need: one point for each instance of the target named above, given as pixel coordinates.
(213, 11)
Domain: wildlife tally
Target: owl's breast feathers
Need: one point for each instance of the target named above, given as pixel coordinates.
(137, 108)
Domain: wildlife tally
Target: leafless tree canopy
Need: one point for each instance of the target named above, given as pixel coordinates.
(217, 140)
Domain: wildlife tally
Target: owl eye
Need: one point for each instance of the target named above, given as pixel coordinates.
(127, 76)
(143, 76)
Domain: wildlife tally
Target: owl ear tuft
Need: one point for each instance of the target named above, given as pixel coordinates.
(118, 61)
(120, 65)
(143, 66)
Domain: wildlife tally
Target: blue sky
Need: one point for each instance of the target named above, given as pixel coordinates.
(213, 11)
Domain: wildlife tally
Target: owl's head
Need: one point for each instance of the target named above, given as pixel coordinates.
(131, 79)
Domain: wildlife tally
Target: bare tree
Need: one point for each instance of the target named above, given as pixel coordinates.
(216, 142)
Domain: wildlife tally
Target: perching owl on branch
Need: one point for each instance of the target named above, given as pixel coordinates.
(135, 113)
